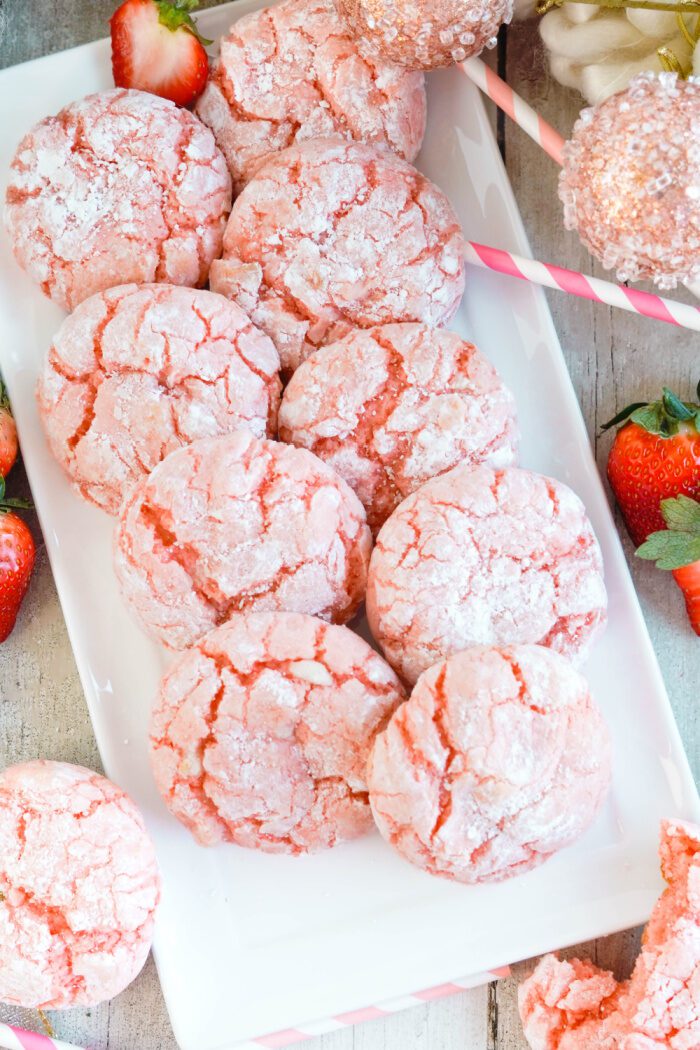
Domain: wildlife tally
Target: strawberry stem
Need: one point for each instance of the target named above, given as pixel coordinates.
(175, 14)
(659, 417)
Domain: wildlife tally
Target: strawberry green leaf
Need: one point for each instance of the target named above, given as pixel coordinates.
(11, 504)
(670, 550)
(650, 417)
(682, 514)
(676, 408)
(15, 504)
(622, 416)
(660, 417)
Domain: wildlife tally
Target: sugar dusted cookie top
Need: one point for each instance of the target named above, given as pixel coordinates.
(498, 759)
(139, 370)
(334, 235)
(574, 1005)
(234, 524)
(292, 72)
(261, 733)
(79, 886)
(119, 186)
(391, 407)
(485, 557)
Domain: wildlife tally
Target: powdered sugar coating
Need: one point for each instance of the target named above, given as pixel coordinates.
(139, 370)
(485, 557)
(119, 186)
(498, 759)
(292, 72)
(261, 732)
(333, 235)
(575, 1005)
(425, 34)
(234, 524)
(79, 887)
(391, 407)
(630, 181)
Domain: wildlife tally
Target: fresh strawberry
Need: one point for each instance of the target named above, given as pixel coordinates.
(8, 434)
(17, 556)
(677, 548)
(156, 48)
(655, 456)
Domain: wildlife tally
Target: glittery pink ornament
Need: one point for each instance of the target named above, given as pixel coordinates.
(425, 34)
(630, 183)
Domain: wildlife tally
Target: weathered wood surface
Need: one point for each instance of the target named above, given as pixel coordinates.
(613, 358)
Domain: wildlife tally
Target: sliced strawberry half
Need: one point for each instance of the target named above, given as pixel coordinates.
(156, 48)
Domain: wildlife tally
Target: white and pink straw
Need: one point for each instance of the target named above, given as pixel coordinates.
(12, 1038)
(647, 304)
(515, 107)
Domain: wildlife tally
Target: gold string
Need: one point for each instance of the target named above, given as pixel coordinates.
(678, 6)
(692, 38)
(671, 62)
(48, 1027)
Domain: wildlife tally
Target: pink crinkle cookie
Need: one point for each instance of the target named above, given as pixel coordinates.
(334, 235)
(499, 759)
(485, 557)
(79, 887)
(576, 1006)
(233, 524)
(139, 370)
(119, 186)
(293, 72)
(391, 407)
(261, 733)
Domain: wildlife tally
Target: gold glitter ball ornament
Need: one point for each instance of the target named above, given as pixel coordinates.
(425, 34)
(630, 181)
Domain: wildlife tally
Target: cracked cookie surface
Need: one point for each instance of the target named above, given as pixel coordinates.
(334, 235)
(292, 72)
(79, 887)
(261, 732)
(234, 524)
(140, 370)
(574, 1005)
(485, 557)
(391, 407)
(498, 759)
(120, 186)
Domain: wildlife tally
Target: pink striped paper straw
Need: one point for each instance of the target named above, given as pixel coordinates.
(12, 1038)
(515, 107)
(291, 1036)
(584, 286)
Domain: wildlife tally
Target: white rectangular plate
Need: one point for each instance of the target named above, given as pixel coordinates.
(247, 943)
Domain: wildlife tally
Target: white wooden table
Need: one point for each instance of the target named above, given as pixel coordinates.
(614, 358)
